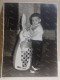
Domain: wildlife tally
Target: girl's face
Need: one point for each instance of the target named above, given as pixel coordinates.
(35, 21)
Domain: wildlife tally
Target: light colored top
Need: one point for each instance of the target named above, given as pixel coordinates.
(37, 33)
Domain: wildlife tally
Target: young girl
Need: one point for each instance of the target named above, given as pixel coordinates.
(22, 56)
(36, 32)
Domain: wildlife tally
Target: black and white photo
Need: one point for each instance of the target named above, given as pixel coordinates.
(30, 40)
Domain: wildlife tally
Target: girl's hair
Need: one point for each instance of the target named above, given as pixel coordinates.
(34, 15)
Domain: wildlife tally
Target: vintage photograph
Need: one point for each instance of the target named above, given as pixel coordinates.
(30, 40)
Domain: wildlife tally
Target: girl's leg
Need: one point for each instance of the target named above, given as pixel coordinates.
(37, 52)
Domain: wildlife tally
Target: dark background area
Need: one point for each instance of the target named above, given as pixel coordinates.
(49, 16)
(11, 16)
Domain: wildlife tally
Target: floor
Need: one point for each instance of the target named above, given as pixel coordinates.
(48, 64)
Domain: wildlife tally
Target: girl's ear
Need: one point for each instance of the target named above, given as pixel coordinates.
(39, 20)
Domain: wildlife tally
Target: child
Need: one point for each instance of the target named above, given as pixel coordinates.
(36, 32)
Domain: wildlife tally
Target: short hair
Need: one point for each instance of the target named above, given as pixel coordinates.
(34, 15)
